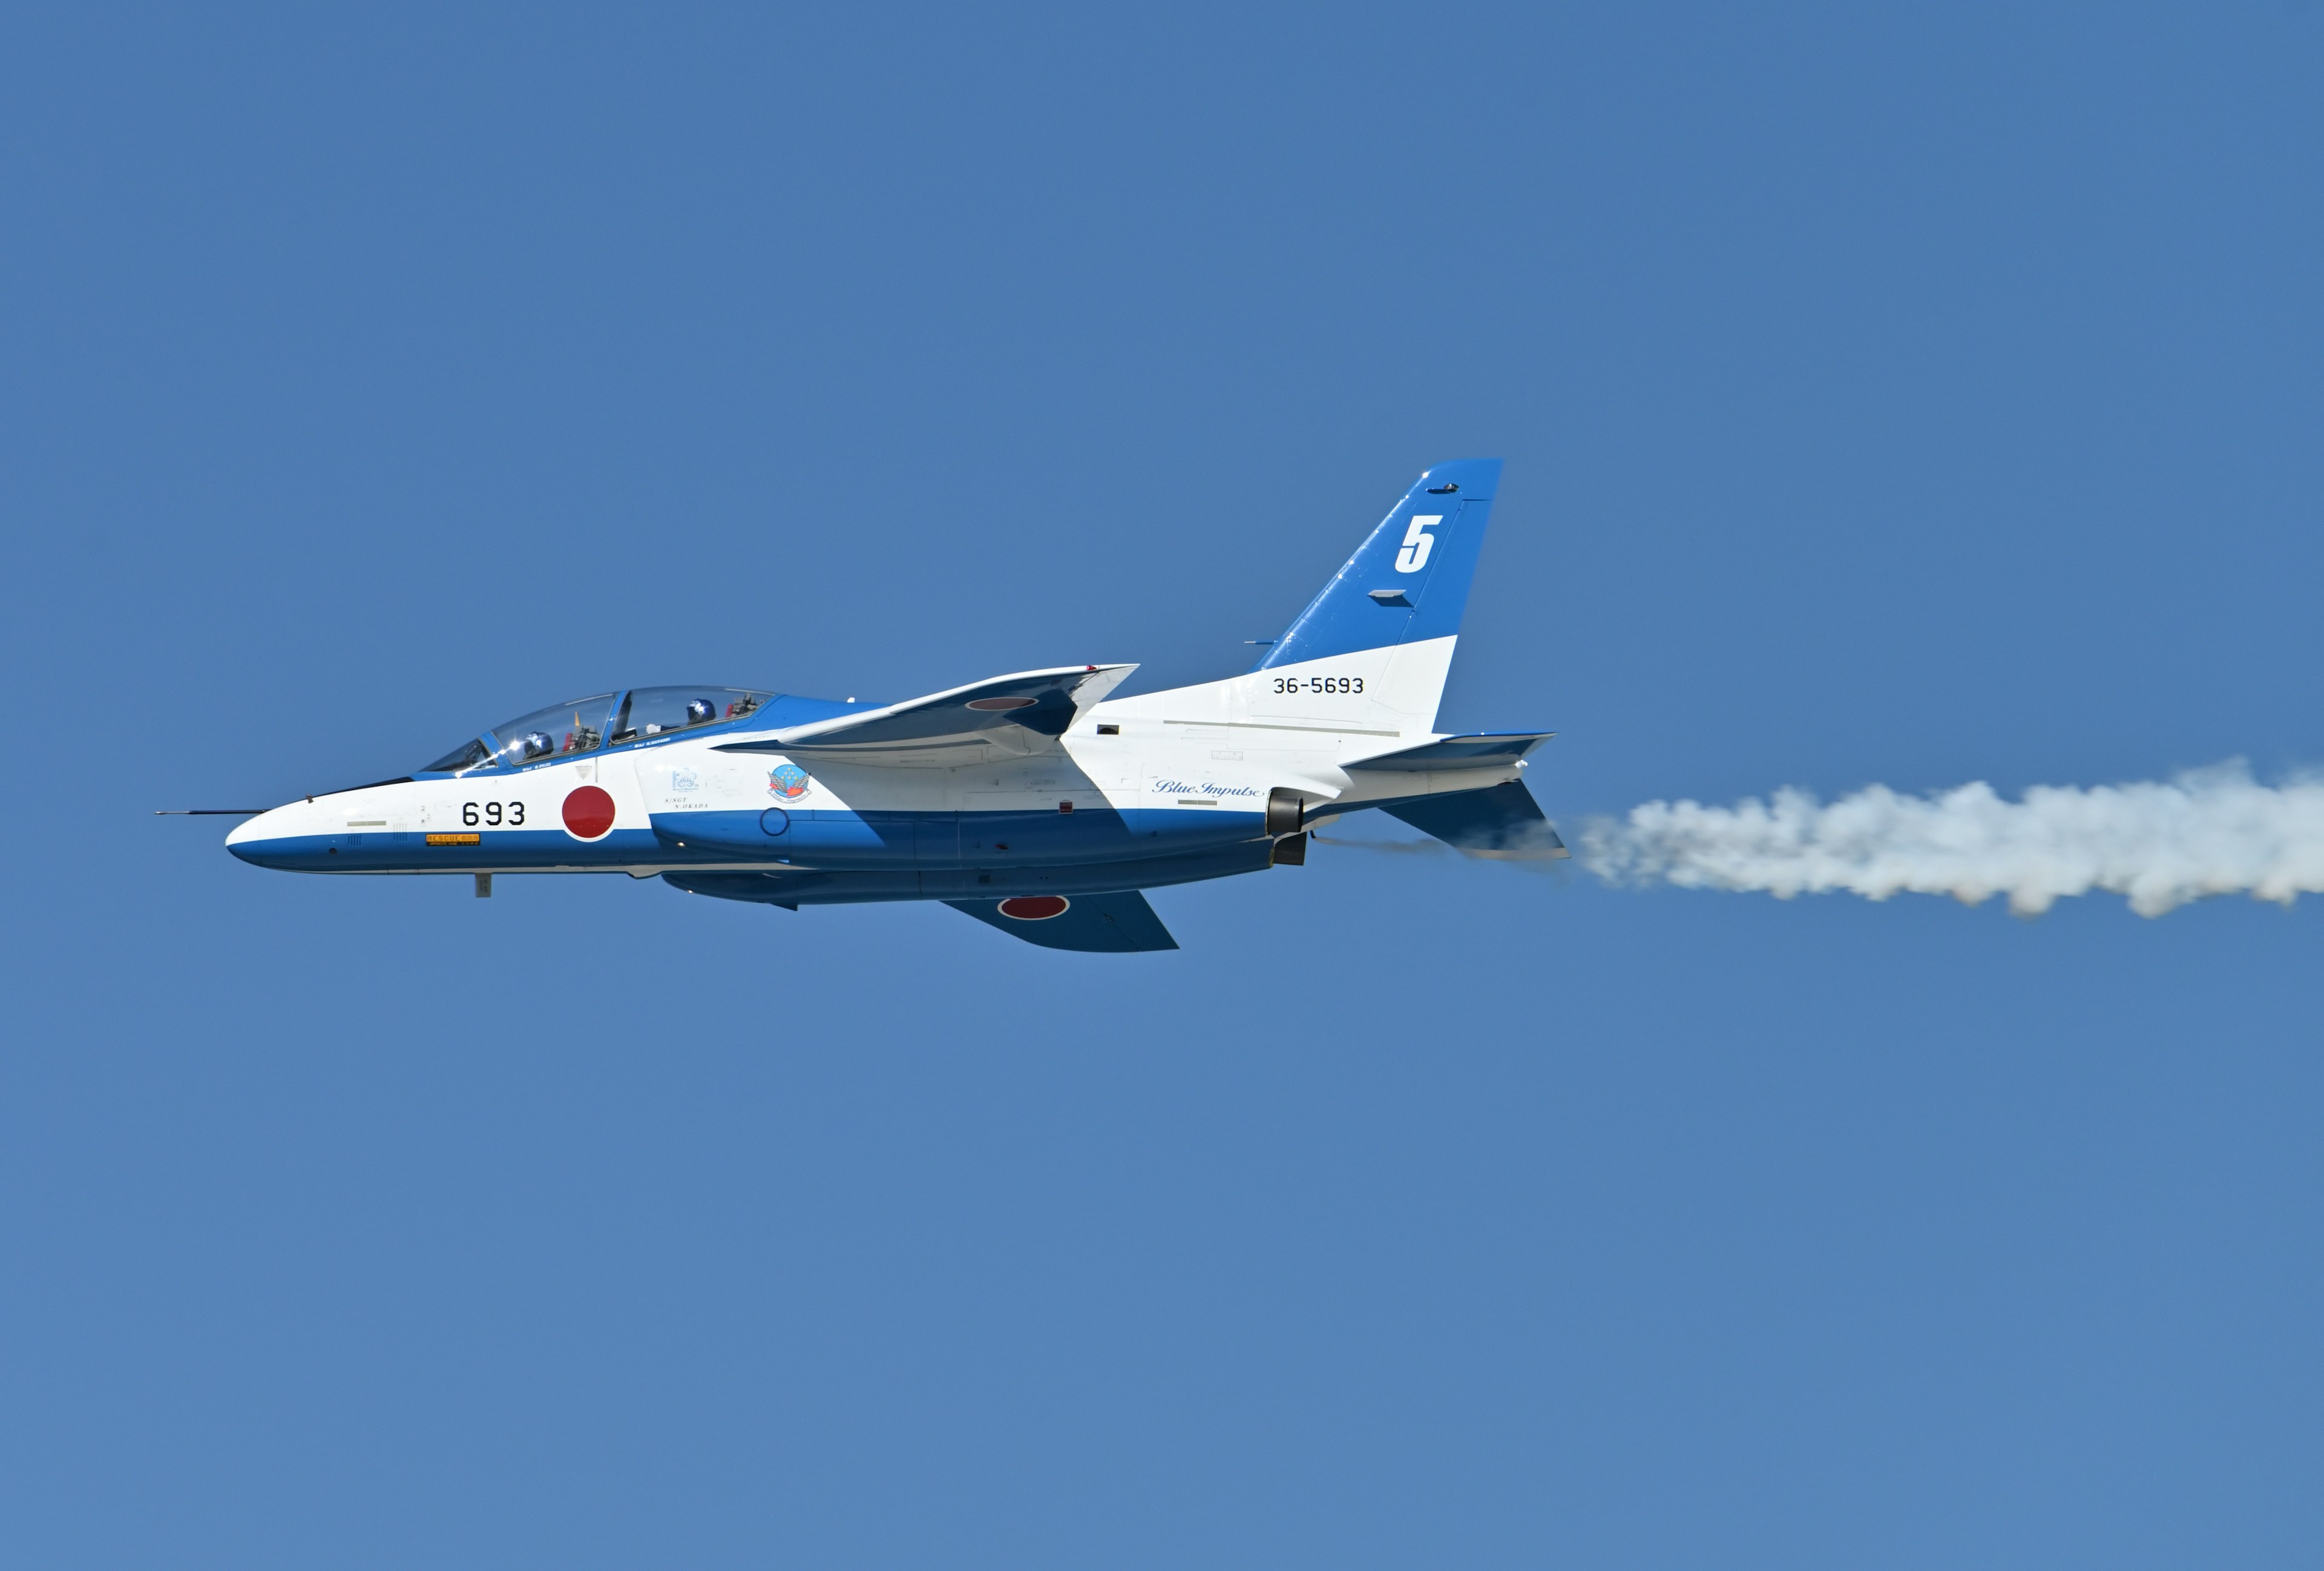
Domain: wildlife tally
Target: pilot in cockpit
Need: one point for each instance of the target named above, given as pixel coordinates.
(583, 726)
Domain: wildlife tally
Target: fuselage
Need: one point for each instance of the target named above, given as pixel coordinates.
(1127, 796)
(1036, 783)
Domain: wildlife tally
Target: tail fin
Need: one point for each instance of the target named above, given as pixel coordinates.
(1368, 656)
(1408, 582)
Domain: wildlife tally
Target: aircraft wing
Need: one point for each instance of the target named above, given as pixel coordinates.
(1018, 714)
(1105, 924)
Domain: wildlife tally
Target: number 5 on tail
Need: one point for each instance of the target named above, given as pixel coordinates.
(1417, 543)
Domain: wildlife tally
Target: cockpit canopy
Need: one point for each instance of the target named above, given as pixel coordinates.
(601, 720)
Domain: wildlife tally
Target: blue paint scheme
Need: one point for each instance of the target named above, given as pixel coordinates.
(1345, 617)
(785, 710)
(1502, 820)
(1089, 848)
(817, 887)
(834, 837)
(1040, 701)
(383, 851)
(827, 837)
(1120, 923)
(831, 837)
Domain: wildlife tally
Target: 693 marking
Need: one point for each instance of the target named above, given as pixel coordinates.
(1319, 684)
(493, 813)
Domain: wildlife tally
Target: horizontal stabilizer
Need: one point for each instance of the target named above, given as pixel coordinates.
(1502, 821)
(1477, 748)
(1105, 924)
(1017, 713)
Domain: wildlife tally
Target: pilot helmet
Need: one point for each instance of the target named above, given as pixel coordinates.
(699, 711)
(537, 745)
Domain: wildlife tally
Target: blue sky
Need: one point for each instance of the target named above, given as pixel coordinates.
(1916, 398)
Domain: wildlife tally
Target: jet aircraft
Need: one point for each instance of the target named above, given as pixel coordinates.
(1034, 802)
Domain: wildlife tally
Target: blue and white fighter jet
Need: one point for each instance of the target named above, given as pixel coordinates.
(1033, 802)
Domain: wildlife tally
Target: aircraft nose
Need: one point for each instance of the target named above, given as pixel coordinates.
(265, 840)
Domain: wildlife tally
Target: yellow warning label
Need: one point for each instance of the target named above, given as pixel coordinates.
(456, 839)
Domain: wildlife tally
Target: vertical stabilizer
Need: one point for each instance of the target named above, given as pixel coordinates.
(1369, 654)
(1408, 582)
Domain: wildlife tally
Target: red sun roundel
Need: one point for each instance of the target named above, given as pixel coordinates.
(588, 813)
(1034, 907)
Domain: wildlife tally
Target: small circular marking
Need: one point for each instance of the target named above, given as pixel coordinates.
(774, 821)
(787, 781)
(588, 813)
(991, 704)
(1034, 908)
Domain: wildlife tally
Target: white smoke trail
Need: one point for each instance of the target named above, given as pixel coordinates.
(2211, 831)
